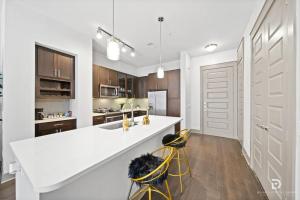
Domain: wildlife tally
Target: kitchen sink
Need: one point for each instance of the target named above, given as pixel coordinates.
(114, 126)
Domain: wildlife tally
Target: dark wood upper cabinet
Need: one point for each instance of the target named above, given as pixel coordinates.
(103, 76)
(152, 81)
(64, 66)
(162, 83)
(55, 74)
(96, 92)
(173, 78)
(122, 84)
(45, 62)
(141, 89)
(130, 86)
(113, 78)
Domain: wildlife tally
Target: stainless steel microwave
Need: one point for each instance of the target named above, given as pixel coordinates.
(108, 91)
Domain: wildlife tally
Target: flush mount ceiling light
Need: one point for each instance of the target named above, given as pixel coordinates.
(160, 70)
(211, 47)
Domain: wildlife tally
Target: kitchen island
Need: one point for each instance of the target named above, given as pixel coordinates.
(87, 163)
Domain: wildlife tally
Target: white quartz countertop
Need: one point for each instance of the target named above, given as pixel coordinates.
(53, 161)
(53, 119)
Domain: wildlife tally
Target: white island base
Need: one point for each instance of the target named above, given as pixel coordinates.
(98, 172)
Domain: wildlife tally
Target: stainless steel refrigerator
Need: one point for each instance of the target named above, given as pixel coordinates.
(157, 102)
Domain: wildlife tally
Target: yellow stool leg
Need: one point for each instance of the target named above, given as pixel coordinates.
(168, 189)
(179, 171)
(186, 158)
(149, 193)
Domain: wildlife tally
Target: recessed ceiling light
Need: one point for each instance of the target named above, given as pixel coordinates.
(150, 44)
(211, 47)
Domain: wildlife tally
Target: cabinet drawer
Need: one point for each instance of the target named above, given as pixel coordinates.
(98, 120)
(54, 127)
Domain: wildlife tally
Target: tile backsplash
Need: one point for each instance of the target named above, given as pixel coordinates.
(53, 106)
(116, 103)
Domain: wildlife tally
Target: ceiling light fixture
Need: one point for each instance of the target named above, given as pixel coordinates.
(160, 70)
(113, 47)
(99, 34)
(132, 53)
(211, 47)
(123, 49)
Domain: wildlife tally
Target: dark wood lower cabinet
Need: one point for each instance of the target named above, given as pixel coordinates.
(54, 127)
(98, 120)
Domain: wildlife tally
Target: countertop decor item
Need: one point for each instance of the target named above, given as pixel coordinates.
(146, 120)
(125, 123)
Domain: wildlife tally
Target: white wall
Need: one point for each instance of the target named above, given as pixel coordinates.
(145, 70)
(24, 28)
(185, 88)
(196, 63)
(100, 59)
(247, 77)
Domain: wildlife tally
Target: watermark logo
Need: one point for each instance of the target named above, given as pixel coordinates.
(276, 184)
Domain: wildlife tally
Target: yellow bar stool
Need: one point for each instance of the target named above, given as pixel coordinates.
(178, 142)
(150, 171)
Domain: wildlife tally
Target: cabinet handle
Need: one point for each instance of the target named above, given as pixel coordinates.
(61, 124)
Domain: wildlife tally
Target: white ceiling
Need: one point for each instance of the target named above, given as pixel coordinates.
(189, 24)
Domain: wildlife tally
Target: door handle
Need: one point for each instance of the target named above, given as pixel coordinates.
(265, 128)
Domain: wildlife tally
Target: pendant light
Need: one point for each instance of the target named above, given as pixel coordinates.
(113, 47)
(160, 70)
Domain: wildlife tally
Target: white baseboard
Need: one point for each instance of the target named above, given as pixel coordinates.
(247, 158)
(7, 177)
(196, 131)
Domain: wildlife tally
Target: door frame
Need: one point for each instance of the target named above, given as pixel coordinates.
(291, 58)
(218, 66)
(241, 46)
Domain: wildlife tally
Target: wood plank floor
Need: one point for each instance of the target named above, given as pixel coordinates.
(219, 172)
(7, 191)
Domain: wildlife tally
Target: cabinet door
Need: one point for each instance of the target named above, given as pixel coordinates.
(162, 84)
(104, 76)
(65, 66)
(45, 62)
(137, 87)
(152, 82)
(96, 82)
(129, 86)
(145, 87)
(98, 120)
(113, 78)
(122, 84)
(173, 78)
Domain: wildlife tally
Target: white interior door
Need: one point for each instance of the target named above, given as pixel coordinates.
(270, 103)
(218, 100)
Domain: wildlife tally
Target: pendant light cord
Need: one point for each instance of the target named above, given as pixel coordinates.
(113, 18)
(160, 41)
(160, 45)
